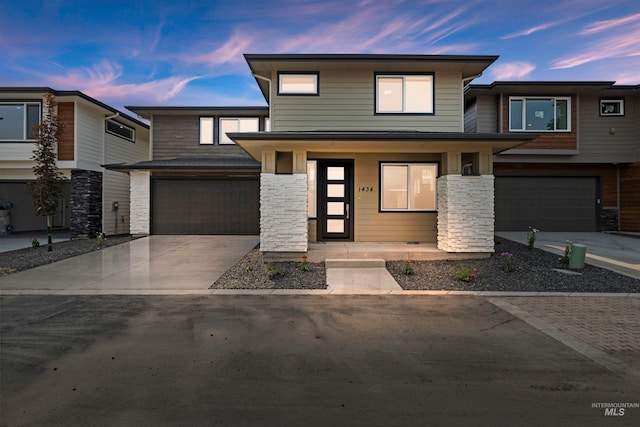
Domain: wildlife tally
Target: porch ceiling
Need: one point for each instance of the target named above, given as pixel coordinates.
(255, 143)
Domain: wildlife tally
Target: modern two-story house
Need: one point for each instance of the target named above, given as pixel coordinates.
(93, 134)
(356, 148)
(582, 173)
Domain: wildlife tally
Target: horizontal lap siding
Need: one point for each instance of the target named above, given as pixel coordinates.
(179, 136)
(347, 102)
(370, 225)
(89, 137)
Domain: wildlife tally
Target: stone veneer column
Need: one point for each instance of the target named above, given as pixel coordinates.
(140, 204)
(466, 213)
(86, 203)
(283, 212)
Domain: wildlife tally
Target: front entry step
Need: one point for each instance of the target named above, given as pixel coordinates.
(354, 263)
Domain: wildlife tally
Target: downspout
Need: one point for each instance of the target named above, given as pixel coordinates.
(269, 81)
(464, 81)
(104, 157)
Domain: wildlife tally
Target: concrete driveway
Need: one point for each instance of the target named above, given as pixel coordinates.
(152, 263)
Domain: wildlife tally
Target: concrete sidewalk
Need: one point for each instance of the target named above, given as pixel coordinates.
(616, 252)
(14, 241)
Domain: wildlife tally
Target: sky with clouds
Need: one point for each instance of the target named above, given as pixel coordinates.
(189, 52)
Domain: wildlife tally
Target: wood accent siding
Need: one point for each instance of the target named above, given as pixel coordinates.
(66, 115)
(347, 102)
(179, 136)
(549, 140)
(630, 198)
(370, 225)
(607, 173)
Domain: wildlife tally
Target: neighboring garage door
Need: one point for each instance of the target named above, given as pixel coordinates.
(546, 203)
(206, 206)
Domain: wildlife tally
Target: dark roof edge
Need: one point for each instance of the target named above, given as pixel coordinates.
(541, 83)
(366, 57)
(194, 108)
(135, 166)
(73, 93)
(380, 135)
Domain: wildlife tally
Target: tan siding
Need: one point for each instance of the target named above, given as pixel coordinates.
(370, 225)
(346, 102)
(16, 151)
(89, 137)
(66, 118)
(596, 139)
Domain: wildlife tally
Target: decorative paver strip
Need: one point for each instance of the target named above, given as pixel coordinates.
(610, 324)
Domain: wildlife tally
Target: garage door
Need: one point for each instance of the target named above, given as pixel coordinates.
(547, 203)
(206, 206)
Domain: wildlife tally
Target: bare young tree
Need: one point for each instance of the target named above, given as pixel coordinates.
(47, 190)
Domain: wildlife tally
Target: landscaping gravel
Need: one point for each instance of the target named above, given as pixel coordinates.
(533, 272)
(257, 277)
(24, 259)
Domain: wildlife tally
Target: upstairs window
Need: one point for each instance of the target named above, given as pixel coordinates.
(539, 114)
(612, 107)
(298, 84)
(206, 130)
(17, 121)
(121, 130)
(238, 124)
(404, 94)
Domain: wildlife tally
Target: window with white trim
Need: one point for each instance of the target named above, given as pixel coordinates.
(17, 120)
(118, 129)
(312, 173)
(298, 84)
(236, 124)
(404, 94)
(206, 130)
(612, 107)
(539, 114)
(408, 186)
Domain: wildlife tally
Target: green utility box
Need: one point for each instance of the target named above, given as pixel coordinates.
(578, 253)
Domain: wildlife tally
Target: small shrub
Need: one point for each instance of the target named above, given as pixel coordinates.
(466, 274)
(531, 237)
(407, 267)
(304, 265)
(35, 243)
(274, 270)
(248, 265)
(567, 253)
(100, 238)
(507, 261)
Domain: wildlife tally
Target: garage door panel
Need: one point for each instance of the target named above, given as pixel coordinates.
(206, 206)
(546, 203)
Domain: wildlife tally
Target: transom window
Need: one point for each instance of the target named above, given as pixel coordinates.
(116, 128)
(206, 130)
(237, 124)
(612, 107)
(404, 93)
(298, 84)
(17, 120)
(539, 114)
(408, 186)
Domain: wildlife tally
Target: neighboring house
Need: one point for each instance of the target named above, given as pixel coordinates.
(93, 134)
(371, 148)
(582, 173)
(197, 181)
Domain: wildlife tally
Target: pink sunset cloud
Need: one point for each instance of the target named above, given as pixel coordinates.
(512, 70)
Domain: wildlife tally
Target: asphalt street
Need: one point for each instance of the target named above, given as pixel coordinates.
(291, 360)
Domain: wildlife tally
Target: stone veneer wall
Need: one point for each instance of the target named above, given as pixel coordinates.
(140, 205)
(283, 213)
(86, 203)
(466, 213)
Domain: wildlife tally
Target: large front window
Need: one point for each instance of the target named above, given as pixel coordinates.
(17, 121)
(243, 124)
(404, 94)
(539, 114)
(408, 186)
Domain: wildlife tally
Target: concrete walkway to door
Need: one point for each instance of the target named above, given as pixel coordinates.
(151, 263)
